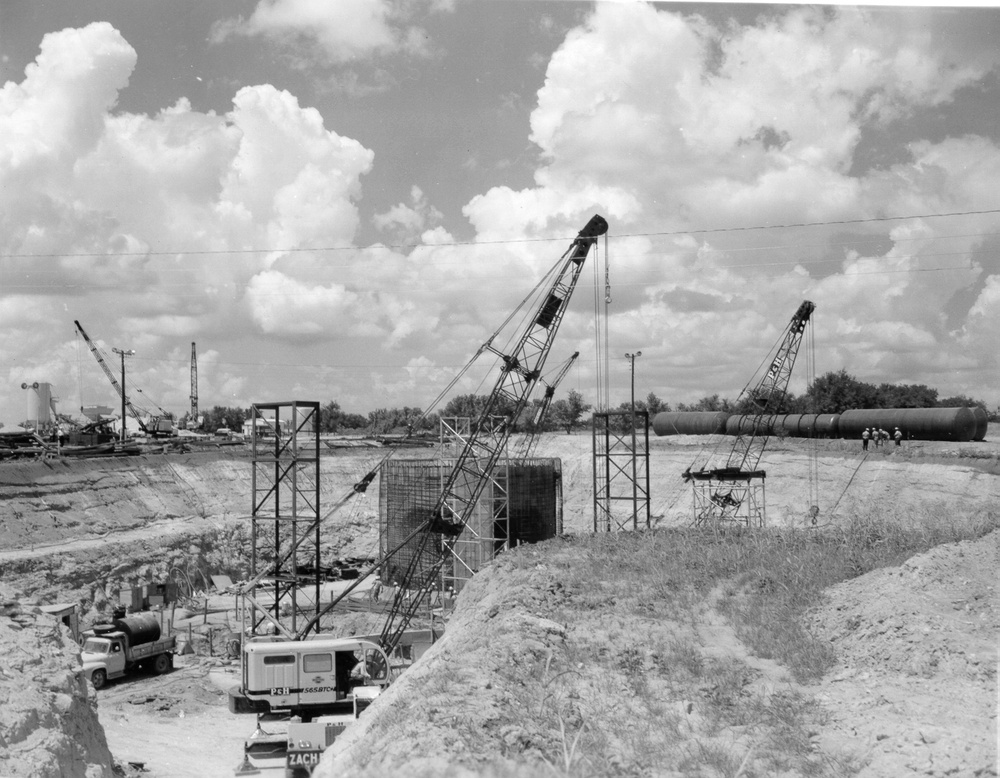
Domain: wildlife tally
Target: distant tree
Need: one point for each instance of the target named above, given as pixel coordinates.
(568, 413)
(905, 396)
(836, 392)
(230, 418)
(652, 405)
(711, 404)
(472, 406)
(961, 401)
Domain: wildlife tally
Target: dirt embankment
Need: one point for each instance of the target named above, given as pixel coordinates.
(48, 721)
(908, 638)
(516, 689)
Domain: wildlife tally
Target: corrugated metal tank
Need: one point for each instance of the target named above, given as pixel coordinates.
(690, 423)
(982, 423)
(954, 424)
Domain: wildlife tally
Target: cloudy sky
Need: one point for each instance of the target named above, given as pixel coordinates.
(343, 201)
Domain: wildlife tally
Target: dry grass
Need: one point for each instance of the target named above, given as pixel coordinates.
(632, 690)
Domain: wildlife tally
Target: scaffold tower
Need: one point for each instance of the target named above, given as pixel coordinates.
(621, 471)
(285, 518)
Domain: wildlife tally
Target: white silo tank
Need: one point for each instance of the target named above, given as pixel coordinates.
(39, 403)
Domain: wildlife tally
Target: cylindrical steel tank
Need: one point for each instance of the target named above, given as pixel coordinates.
(39, 403)
(690, 423)
(982, 423)
(744, 425)
(794, 425)
(140, 628)
(954, 424)
(827, 425)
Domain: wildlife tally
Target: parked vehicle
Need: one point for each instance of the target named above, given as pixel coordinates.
(117, 649)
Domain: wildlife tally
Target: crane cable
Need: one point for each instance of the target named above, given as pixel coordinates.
(814, 452)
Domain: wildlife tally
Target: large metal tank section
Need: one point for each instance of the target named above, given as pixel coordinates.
(39, 404)
(952, 424)
(982, 423)
(744, 425)
(690, 423)
(827, 425)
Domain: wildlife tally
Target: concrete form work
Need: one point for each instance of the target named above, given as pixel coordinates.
(521, 504)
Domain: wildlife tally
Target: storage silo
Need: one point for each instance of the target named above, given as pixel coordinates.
(39, 403)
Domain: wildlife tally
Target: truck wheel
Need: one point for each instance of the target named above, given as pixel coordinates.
(161, 664)
(98, 678)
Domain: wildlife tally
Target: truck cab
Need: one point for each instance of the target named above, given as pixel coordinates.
(106, 652)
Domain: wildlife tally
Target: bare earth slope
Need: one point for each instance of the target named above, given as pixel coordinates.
(914, 692)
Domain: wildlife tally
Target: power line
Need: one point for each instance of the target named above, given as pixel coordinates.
(379, 247)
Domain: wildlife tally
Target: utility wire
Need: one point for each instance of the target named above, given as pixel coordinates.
(703, 231)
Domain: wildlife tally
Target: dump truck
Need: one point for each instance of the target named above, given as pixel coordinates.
(117, 649)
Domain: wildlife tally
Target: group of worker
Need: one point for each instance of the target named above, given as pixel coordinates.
(880, 437)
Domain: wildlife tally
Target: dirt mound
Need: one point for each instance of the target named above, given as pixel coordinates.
(915, 689)
(48, 721)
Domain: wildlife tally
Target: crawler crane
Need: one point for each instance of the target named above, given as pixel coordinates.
(310, 676)
(734, 492)
(151, 425)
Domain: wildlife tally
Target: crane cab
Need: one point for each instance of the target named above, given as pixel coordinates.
(307, 678)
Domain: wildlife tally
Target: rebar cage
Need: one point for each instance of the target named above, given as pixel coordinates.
(522, 503)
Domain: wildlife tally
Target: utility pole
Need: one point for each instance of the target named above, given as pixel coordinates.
(631, 360)
(124, 353)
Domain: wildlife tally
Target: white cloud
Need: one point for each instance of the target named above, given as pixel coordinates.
(664, 123)
(341, 32)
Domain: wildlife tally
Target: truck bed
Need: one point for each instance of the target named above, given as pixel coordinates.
(146, 650)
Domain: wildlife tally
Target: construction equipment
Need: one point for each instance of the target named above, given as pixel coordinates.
(154, 426)
(266, 659)
(116, 649)
(734, 492)
(194, 420)
(538, 419)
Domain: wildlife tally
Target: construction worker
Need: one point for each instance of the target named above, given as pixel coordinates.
(865, 436)
(898, 436)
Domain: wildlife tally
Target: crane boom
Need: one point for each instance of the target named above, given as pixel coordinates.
(765, 398)
(520, 369)
(519, 372)
(535, 431)
(193, 419)
(111, 377)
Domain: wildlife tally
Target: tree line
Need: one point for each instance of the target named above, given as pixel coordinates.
(833, 392)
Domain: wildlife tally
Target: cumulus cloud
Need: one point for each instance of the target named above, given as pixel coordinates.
(152, 225)
(242, 224)
(342, 32)
(665, 123)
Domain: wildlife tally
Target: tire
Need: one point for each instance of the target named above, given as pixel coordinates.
(98, 678)
(161, 664)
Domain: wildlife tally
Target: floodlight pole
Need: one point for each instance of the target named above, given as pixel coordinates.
(124, 353)
(631, 361)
